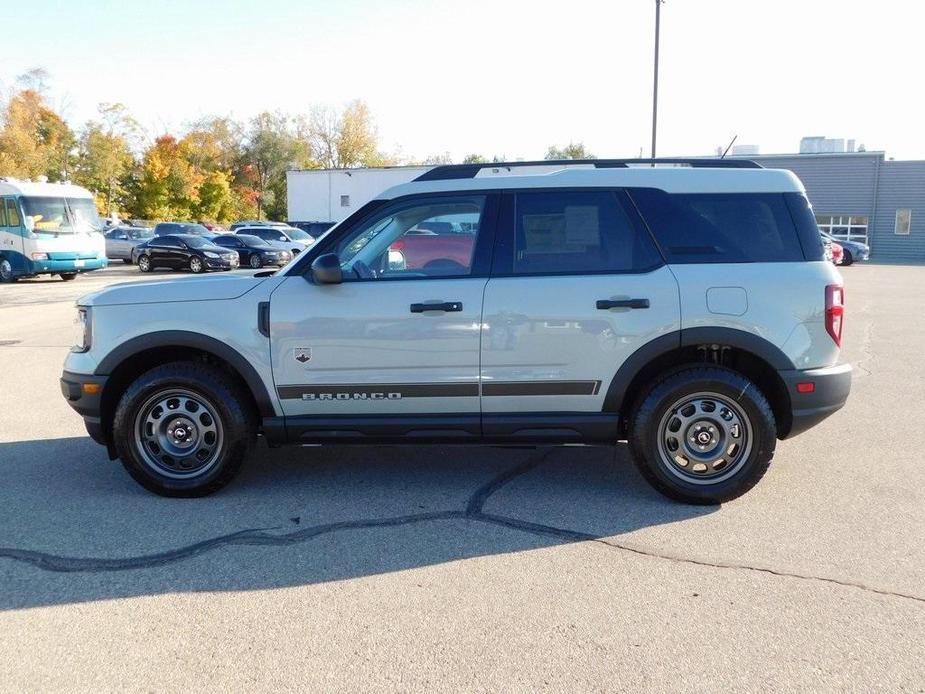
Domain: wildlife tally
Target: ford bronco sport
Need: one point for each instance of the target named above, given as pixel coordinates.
(683, 306)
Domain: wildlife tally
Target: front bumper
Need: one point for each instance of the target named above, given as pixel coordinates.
(77, 265)
(84, 393)
(831, 386)
(221, 263)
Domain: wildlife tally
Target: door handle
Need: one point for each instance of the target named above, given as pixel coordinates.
(604, 304)
(438, 306)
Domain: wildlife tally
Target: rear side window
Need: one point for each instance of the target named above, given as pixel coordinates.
(577, 232)
(807, 229)
(720, 227)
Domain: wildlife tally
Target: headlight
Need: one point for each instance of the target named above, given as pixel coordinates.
(210, 254)
(39, 256)
(83, 330)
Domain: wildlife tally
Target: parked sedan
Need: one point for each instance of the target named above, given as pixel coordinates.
(254, 251)
(182, 251)
(853, 250)
(122, 239)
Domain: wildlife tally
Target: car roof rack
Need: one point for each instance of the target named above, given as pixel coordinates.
(454, 171)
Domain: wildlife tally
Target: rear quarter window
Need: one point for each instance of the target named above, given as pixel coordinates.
(720, 227)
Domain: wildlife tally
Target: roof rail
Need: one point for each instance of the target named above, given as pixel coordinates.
(453, 171)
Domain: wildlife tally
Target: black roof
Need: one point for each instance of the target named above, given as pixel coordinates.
(455, 171)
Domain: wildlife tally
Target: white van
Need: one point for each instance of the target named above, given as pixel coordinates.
(48, 228)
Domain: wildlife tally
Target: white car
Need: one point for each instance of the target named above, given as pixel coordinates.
(279, 238)
(687, 309)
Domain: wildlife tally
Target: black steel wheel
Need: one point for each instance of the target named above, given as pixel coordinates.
(184, 429)
(703, 435)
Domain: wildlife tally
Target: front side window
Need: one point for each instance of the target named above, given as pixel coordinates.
(720, 227)
(578, 232)
(434, 237)
(12, 213)
(2, 213)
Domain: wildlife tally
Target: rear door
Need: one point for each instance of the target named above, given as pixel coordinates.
(577, 286)
(391, 339)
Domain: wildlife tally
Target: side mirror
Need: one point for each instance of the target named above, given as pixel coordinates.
(326, 269)
(29, 222)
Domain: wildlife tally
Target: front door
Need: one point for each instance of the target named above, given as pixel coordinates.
(11, 234)
(400, 336)
(578, 285)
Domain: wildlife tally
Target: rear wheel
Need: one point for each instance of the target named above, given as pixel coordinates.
(6, 271)
(127, 261)
(183, 429)
(195, 264)
(67, 276)
(703, 435)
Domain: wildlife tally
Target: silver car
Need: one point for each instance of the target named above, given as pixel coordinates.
(121, 240)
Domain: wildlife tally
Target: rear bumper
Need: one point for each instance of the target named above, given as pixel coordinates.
(831, 386)
(86, 404)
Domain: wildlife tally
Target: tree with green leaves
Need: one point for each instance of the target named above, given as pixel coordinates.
(105, 161)
(474, 159)
(573, 150)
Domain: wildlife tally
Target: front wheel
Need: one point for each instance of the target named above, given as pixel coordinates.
(703, 435)
(127, 261)
(68, 276)
(183, 429)
(847, 258)
(144, 263)
(6, 271)
(256, 262)
(195, 265)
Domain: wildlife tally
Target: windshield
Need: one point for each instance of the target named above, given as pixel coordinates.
(198, 242)
(298, 234)
(62, 215)
(196, 229)
(253, 241)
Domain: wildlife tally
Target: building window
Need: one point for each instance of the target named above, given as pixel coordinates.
(903, 222)
(843, 227)
(345, 201)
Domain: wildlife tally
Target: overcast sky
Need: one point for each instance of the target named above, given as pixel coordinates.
(504, 77)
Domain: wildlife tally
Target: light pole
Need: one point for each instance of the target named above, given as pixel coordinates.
(658, 12)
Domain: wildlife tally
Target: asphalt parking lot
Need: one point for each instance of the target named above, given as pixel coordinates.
(447, 568)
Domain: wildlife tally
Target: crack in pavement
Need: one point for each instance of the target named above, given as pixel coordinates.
(474, 511)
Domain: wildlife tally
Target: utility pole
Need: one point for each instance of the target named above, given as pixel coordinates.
(658, 12)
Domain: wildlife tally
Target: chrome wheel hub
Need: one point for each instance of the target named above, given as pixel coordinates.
(178, 434)
(704, 438)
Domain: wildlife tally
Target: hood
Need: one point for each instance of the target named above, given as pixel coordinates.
(205, 288)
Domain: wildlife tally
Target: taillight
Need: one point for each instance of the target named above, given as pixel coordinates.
(835, 311)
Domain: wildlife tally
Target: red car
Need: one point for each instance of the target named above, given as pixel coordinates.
(429, 250)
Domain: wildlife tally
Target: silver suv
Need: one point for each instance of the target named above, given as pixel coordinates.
(686, 308)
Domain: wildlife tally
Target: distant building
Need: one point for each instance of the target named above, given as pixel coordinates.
(744, 150)
(865, 197)
(817, 144)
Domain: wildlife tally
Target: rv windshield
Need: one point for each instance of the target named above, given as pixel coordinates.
(62, 215)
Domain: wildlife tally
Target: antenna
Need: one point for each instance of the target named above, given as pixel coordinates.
(728, 147)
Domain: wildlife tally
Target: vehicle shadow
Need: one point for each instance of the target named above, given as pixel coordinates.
(74, 527)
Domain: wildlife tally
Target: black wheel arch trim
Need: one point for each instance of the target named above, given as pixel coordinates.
(689, 337)
(183, 338)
